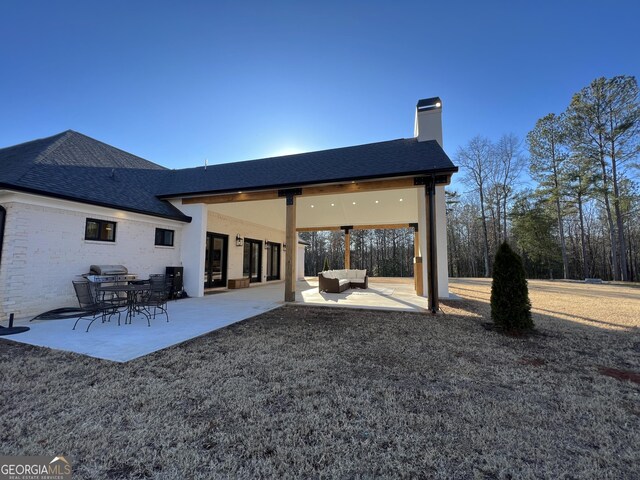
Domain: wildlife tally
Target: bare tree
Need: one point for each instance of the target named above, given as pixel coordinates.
(476, 162)
(509, 164)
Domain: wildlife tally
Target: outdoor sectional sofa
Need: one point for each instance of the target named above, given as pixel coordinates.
(336, 281)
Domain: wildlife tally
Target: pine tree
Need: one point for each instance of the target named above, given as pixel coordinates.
(510, 305)
(548, 158)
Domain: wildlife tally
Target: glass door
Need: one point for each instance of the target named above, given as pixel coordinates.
(215, 260)
(273, 261)
(252, 261)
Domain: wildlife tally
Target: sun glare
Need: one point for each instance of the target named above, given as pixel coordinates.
(287, 151)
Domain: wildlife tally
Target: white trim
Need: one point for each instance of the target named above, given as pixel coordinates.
(112, 214)
(101, 242)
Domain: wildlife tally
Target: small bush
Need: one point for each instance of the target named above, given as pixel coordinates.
(325, 267)
(510, 305)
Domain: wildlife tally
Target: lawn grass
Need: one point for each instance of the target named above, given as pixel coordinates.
(310, 392)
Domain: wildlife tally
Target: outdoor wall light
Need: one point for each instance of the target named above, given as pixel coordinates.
(284, 247)
(266, 244)
(238, 240)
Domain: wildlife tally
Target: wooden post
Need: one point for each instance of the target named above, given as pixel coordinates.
(292, 248)
(417, 261)
(347, 248)
(432, 252)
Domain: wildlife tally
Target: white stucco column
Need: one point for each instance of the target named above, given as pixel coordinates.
(441, 235)
(300, 259)
(194, 236)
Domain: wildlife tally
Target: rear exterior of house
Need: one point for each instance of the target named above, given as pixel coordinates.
(70, 201)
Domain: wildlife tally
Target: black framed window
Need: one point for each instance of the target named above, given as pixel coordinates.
(100, 230)
(273, 261)
(252, 260)
(164, 237)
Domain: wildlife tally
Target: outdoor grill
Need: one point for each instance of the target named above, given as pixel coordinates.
(109, 274)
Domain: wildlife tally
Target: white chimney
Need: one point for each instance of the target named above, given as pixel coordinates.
(428, 124)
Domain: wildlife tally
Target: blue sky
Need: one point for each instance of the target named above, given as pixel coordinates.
(178, 82)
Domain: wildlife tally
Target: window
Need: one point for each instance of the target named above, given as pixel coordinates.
(273, 261)
(252, 260)
(100, 230)
(164, 237)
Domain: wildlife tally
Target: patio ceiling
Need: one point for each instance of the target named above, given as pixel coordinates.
(363, 208)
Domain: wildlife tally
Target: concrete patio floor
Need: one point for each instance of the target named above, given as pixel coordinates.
(192, 317)
(396, 294)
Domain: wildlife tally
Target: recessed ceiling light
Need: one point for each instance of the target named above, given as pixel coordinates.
(377, 201)
(333, 204)
(400, 199)
(312, 206)
(354, 203)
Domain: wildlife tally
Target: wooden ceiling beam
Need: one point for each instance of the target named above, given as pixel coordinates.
(233, 197)
(386, 226)
(355, 187)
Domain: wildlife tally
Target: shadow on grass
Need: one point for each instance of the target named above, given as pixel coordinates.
(478, 309)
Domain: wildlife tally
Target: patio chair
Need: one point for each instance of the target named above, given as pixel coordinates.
(157, 296)
(93, 307)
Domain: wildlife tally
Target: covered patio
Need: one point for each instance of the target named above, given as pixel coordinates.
(385, 185)
(193, 317)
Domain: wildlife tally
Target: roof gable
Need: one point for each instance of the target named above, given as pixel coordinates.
(76, 167)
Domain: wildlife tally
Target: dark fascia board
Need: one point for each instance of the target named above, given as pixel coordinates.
(287, 186)
(181, 218)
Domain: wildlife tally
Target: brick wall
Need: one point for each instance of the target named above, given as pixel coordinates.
(44, 250)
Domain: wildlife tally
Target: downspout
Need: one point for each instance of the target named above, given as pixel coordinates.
(3, 217)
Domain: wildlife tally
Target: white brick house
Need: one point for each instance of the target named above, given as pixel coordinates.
(69, 201)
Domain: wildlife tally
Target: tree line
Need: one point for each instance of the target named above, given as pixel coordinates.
(383, 253)
(565, 197)
(576, 216)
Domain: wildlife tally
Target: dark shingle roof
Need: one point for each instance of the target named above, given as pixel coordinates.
(76, 167)
(393, 158)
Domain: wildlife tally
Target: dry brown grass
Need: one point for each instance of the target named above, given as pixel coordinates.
(323, 393)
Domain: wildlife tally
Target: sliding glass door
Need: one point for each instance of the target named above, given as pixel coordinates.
(273, 261)
(215, 260)
(252, 261)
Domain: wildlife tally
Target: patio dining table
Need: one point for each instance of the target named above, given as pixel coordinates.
(133, 292)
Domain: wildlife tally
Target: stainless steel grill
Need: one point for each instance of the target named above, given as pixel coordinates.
(109, 274)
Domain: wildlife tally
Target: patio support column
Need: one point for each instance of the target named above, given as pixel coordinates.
(347, 247)
(417, 260)
(192, 254)
(432, 250)
(292, 247)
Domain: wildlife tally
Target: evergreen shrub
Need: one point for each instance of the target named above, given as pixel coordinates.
(510, 305)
